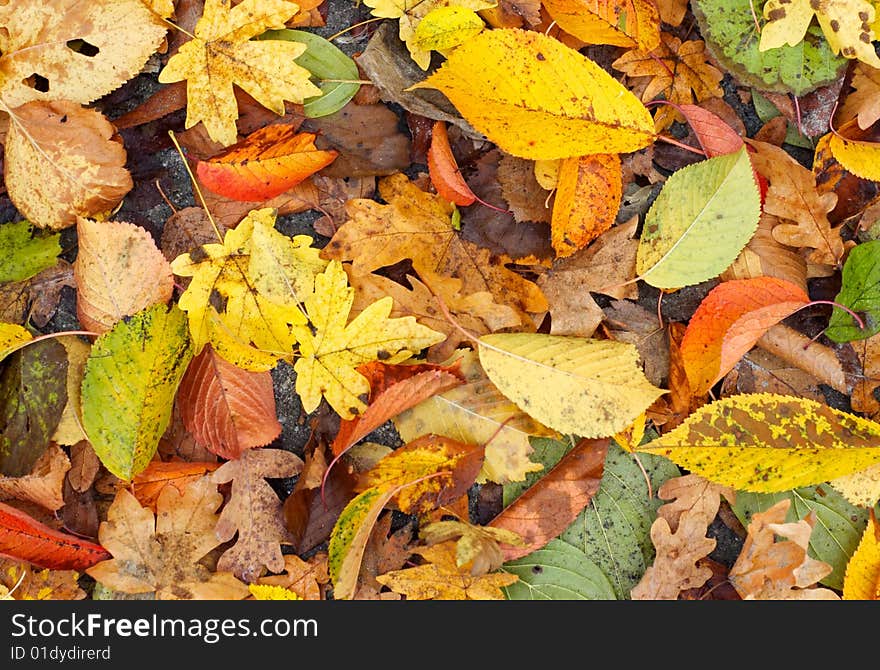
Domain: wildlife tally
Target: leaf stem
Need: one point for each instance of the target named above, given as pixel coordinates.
(846, 309)
(356, 25)
(681, 145)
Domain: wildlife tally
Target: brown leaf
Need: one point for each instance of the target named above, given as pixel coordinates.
(552, 503)
(43, 485)
(226, 408)
(333, 194)
(693, 495)
(864, 101)
(228, 212)
(185, 230)
(524, 195)
(26, 583)
(254, 512)
(84, 466)
(812, 357)
(80, 512)
(384, 552)
(771, 569)
(308, 579)
(863, 399)
(630, 322)
(759, 371)
(44, 291)
(169, 98)
(62, 162)
(148, 484)
(764, 256)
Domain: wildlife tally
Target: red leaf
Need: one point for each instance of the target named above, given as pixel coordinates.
(266, 163)
(443, 169)
(227, 409)
(25, 538)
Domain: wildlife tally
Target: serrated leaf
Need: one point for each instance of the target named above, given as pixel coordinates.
(860, 158)
(702, 218)
(765, 442)
(839, 524)
(862, 579)
(579, 107)
(24, 254)
(625, 23)
(446, 27)
(598, 386)
(559, 571)
(128, 389)
(860, 291)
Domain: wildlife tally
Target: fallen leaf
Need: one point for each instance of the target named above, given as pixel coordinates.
(859, 291)
(25, 583)
(444, 172)
(862, 580)
(149, 483)
(624, 23)
(478, 547)
(526, 198)
(763, 256)
(305, 578)
(26, 254)
(385, 551)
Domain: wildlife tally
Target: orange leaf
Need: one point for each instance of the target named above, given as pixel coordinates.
(226, 408)
(264, 164)
(729, 321)
(148, 484)
(393, 389)
(548, 507)
(588, 194)
(444, 170)
(714, 135)
(25, 538)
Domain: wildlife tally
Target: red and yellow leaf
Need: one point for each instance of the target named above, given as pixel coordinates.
(443, 169)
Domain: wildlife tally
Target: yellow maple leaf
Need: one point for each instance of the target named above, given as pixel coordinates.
(411, 12)
(847, 25)
(441, 578)
(332, 348)
(227, 302)
(222, 53)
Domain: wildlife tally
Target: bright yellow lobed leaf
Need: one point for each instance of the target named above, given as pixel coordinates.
(862, 578)
(768, 443)
(598, 388)
(539, 99)
(332, 348)
(222, 54)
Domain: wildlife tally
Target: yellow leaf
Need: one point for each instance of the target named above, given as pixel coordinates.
(268, 592)
(845, 23)
(862, 578)
(861, 488)
(222, 54)
(623, 23)
(446, 27)
(860, 158)
(547, 173)
(332, 348)
(768, 443)
(441, 578)
(249, 329)
(12, 337)
(539, 99)
(598, 388)
(631, 437)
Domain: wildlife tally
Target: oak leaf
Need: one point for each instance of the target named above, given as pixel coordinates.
(763, 256)
(62, 161)
(332, 348)
(119, 271)
(771, 569)
(385, 551)
(305, 578)
(440, 578)
(254, 512)
(160, 554)
(226, 408)
(864, 102)
(222, 54)
(43, 485)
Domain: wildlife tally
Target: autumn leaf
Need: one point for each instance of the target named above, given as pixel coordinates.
(25, 538)
(119, 271)
(26, 254)
(418, 225)
(559, 571)
(445, 27)
(26, 583)
(253, 511)
(862, 102)
(845, 23)
(43, 485)
(222, 54)
(771, 569)
(588, 194)
(305, 578)
(266, 592)
(62, 161)
(862, 579)
(859, 292)
(734, 442)
(329, 354)
(728, 323)
(599, 387)
(624, 23)
(679, 72)
(590, 113)
(478, 547)
(443, 169)
(149, 482)
(264, 164)
(440, 578)
(227, 409)
(160, 553)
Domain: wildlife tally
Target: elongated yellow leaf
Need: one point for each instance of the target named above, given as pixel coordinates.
(446, 27)
(537, 98)
(590, 388)
(862, 579)
(767, 443)
(12, 337)
(860, 158)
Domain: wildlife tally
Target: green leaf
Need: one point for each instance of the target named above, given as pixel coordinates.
(128, 389)
(860, 291)
(33, 393)
(703, 217)
(839, 524)
(558, 571)
(326, 62)
(728, 27)
(23, 254)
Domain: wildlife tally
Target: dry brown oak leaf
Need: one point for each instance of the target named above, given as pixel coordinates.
(418, 225)
(161, 554)
(254, 511)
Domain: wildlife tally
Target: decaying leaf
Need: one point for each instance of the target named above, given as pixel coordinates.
(43, 485)
(476, 546)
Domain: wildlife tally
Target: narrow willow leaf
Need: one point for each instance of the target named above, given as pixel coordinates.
(128, 389)
(860, 291)
(838, 529)
(598, 388)
(767, 443)
(703, 217)
(559, 571)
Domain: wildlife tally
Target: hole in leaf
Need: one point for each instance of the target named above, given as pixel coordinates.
(83, 47)
(537, 569)
(37, 82)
